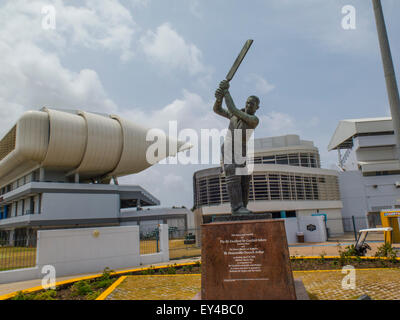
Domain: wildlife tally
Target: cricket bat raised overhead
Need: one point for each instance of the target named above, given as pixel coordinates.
(239, 60)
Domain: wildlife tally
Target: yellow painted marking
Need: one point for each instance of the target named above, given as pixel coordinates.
(111, 288)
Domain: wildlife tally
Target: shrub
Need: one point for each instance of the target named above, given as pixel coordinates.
(161, 271)
(171, 270)
(346, 254)
(22, 296)
(81, 288)
(103, 283)
(106, 273)
(43, 295)
(46, 295)
(93, 295)
(386, 250)
(322, 257)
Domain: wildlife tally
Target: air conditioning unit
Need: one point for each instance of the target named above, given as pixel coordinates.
(397, 184)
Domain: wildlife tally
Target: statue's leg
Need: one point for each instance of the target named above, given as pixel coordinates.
(245, 189)
(234, 187)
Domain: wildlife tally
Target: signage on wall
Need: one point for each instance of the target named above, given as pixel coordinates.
(311, 227)
(392, 213)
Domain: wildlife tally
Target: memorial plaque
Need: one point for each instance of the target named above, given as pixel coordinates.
(246, 260)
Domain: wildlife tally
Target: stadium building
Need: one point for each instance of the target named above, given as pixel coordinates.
(60, 169)
(370, 177)
(287, 181)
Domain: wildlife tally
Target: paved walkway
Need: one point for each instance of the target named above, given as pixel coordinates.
(379, 284)
(327, 248)
(157, 287)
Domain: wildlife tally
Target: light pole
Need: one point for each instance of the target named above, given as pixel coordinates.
(390, 76)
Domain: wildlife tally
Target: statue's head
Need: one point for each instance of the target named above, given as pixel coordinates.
(252, 104)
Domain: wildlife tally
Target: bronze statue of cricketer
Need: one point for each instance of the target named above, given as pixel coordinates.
(234, 148)
(240, 120)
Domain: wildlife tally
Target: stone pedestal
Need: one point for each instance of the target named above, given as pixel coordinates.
(246, 260)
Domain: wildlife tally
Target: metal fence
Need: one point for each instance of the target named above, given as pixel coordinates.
(149, 239)
(347, 228)
(18, 252)
(183, 243)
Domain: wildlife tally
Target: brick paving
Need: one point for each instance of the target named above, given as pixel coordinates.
(379, 284)
(157, 287)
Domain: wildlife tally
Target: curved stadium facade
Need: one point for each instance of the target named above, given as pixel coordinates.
(56, 169)
(287, 181)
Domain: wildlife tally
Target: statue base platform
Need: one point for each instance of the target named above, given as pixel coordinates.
(246, 260)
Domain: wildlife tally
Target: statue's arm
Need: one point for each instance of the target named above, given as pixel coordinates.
(251, 120)
(219, 95)
(219, 110)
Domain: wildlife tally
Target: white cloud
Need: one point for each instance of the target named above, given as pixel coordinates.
(194, 8)
(261, 85)
(96, 25)
(320, 22)
(276, 124)
(138, 3)
(171, 179)
(190, 111)
(31, 72)
(167, 47)
(100, 24)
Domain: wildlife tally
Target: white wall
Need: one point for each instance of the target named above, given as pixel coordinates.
(78, 206)
(385, 194)
(77, 251)
(361, 195)
(73, 251)
(353, 194)
(291, 228)
(317, 235)
(334, 219)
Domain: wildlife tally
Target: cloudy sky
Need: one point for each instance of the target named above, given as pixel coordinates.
(153, 61)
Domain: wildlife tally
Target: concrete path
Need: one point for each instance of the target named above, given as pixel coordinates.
(327, 248)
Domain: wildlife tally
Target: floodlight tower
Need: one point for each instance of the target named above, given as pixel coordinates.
(390, 76)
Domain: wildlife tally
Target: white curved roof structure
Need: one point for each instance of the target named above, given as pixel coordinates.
(347, 129)
(86, 143)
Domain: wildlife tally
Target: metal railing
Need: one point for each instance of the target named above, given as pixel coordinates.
(183, 243)
(350, 227)
(17, 253)
(149, 239)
